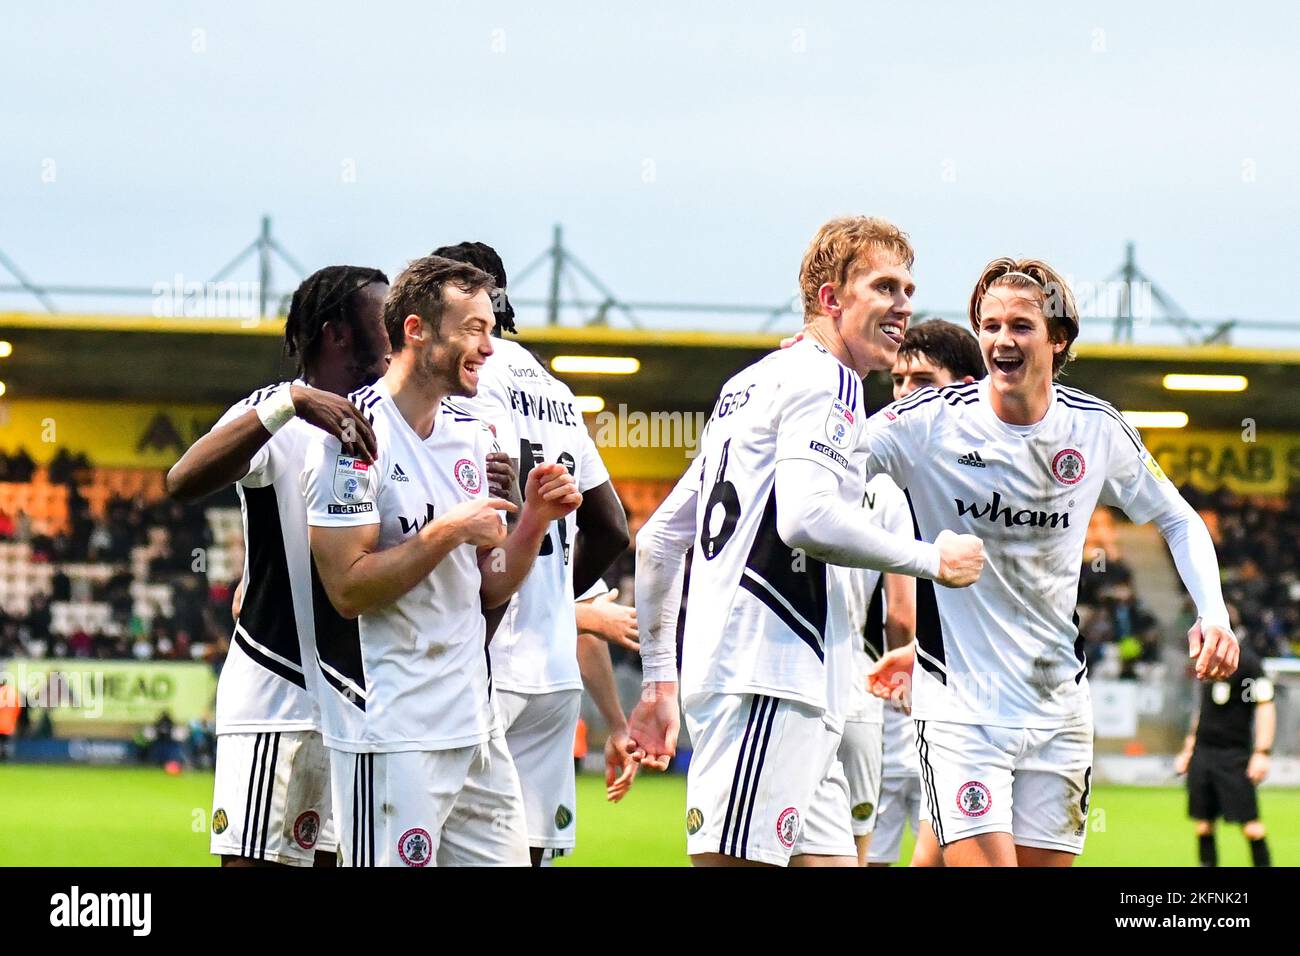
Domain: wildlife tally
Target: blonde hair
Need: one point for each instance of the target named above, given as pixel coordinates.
(842, 243)
(1047, 286)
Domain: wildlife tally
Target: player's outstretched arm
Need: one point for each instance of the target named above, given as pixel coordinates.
(598, 678)
(602, 536)
(1210, 642)
(550, 496)
(811, 517)
(224, 455)
(358, 577)
(661, 547)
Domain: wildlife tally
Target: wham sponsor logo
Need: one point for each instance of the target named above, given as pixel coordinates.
(415, 524)
(995, 511)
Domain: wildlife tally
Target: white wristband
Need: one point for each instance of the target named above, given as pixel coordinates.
(276, 409)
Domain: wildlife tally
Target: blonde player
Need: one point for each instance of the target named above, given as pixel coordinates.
(1000, 693)
(772, 501)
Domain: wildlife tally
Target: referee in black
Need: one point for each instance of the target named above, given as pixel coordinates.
(1225, 762)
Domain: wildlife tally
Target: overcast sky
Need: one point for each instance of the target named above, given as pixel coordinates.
(689, 152)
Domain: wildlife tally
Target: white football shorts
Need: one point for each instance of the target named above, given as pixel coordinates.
(540, 729)
(764, 782)
(271, 797)
(1032, 783)
(900, 807)
(862, 752)
(417, 808)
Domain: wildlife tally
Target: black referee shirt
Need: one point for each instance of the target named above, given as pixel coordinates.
(1228, 707)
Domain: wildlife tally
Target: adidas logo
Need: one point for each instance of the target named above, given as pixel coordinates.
(972, 459)
(398, 474)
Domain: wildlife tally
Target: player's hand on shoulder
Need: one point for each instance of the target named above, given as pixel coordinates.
(1214, 649)
(551, 493)
(336, 415)
(961, 559)
(503, 480)
(478, 522)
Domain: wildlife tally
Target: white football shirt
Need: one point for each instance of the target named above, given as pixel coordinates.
(762, 618)
(535, 417)
(268, 681)
(414, 674)
(886, 508)
(1006, 651)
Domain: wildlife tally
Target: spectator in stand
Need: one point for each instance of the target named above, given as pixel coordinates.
(21, 466)
(39, 617)
(81, 644)
(61, 467)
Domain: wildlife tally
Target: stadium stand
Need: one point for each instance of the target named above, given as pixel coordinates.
(96, 562)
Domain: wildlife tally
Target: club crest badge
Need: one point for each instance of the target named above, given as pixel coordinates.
(468, 476)
(974, 799)
(787, 827)
(415, 847)
(306, 829)
(1068, 466)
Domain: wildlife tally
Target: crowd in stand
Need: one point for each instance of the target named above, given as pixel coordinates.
(176, 537)
(1259, 554)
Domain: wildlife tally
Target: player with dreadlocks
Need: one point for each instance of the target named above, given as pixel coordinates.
(271, 804)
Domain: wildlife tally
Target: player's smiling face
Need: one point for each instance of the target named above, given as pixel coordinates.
(464, 342)
(874, 307)
(1014, 338)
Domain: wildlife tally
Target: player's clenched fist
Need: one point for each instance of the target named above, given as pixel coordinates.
(479, 521)
(1214, 649)
(961, 559)
(551, 493)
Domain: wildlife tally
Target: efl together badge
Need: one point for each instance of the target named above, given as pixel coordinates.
(351, 479)
(839, 424)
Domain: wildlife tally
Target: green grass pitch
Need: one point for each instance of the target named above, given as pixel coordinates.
(110, 816)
